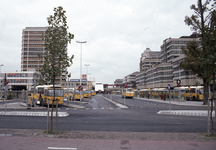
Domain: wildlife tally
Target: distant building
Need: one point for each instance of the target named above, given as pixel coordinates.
(147, 60)
(171, 53)
(118, 83)
(161, 68)
(130, 80)
(32, 45)
(20, 80)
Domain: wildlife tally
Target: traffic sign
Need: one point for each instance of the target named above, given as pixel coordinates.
(80, 87)
(6, 88)
(178, 81)
(125, 85)
(169, 86)
(6, 82)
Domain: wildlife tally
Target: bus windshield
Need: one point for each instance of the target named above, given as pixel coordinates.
(130, 90)
(78, 92)
(58, 92)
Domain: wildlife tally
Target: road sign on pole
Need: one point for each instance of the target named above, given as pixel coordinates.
(80, 88)
(169, 87)
(178, 81)
(125, 85)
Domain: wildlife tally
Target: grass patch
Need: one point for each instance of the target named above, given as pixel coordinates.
(211, 135)
(53, 132)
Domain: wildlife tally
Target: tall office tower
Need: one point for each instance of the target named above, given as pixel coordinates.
(32, 45)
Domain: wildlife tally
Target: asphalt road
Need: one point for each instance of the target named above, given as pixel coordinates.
(101, 115)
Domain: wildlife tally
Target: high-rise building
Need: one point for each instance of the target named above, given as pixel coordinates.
(32, 45)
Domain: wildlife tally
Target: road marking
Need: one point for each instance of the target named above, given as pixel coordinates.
(62, 148)
(20, 113)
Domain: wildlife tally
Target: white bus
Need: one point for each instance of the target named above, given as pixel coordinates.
(99, 88)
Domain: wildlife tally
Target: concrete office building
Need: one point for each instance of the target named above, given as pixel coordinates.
(147, 60)
(20, 80)
(163, 70)
(130, 80)
(32, 45)
(171, 53)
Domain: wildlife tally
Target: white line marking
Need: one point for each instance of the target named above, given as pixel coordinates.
(62, 148)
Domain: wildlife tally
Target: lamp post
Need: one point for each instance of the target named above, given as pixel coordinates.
(1, 79)
(87, 73)
(81, 42)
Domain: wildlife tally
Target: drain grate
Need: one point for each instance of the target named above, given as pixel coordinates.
(125, 144)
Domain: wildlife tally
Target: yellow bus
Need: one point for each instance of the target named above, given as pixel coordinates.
(45, 93)
(68, 91)
(93, 92)
(195, 93)
(87, 94)
(76, 95)
(128, 93)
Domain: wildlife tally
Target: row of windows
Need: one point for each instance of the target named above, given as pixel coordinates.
(33, 45)
(33, 49)
(33, 41)
(17, 80)
(33, 36)
(34, 32)
(17, 75)
(33, 53)
(159, 79)
(31, 66)
(174, 42)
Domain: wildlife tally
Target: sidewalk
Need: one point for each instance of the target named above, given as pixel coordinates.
(86, 140)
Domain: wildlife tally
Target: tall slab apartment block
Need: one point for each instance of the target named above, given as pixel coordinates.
(32, 45)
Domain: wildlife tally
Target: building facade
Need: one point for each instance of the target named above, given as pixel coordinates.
(161, 69)
(147, 60)
(20, 80)
(32, 45)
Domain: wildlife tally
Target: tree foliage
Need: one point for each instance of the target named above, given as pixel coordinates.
(55, 58)
(56, 39)
(199, 56)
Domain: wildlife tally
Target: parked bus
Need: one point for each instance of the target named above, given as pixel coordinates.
(93, 92)
(68, 91)
(195, 93)
(87, 93)
(76, 95)
(128, 93)
(45, 93)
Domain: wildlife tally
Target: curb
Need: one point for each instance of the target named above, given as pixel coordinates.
(117, 104)
(42, 114)
(185, 112)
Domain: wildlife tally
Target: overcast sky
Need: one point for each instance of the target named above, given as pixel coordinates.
(116, 31)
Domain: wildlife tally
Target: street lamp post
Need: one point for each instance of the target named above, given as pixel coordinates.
(1, 79)
(81, 42)
(87, 72)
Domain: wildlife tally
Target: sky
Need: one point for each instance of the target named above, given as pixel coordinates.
(116, 31)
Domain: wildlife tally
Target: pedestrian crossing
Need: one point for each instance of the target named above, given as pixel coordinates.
(147, 106)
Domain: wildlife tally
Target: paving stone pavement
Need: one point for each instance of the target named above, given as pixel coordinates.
(86, 140)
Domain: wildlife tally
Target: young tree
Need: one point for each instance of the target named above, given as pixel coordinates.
(55, 58)
(200, 55)
(203, 60)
